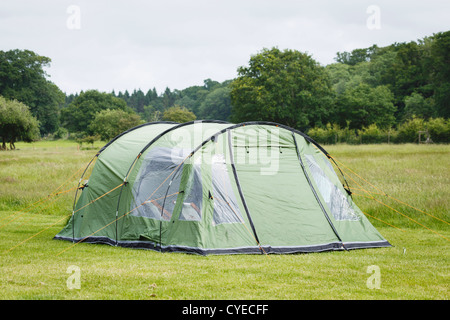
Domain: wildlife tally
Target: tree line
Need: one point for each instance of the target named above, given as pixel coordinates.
(375, 89)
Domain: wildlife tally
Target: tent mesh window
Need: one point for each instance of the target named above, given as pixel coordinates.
(335, 199)
(156, 188)
(226, 209)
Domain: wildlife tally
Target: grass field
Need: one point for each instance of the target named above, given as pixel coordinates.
(416, 267)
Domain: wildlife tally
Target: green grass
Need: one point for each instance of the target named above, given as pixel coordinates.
(417, 267)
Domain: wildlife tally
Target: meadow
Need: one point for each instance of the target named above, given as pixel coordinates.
(404, 190)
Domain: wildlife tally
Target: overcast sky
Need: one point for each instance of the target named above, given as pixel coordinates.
(132, 44)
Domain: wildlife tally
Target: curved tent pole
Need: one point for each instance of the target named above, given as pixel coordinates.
(76, 194)
(235, 173)
(132, 129)
(308, 138)
(228, 130)
(236, 178)
(343, 176)
(232, 126)
(97, 155)
(313, 189)
(296, 147)
(179, 126)
(175, 172)
(125, 182)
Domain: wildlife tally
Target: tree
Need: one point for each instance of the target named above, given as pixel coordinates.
(409, 74)
(168, 98)
(417, 105)
(381, 68)
(217, 105)
(189, 103)
(16, 123)
(339, 74)
(193, 97)
(288, 87)
(356, 56)
(81, 112)
(178, 114)
(364, 105)
(22, 77)
(51, 98)
(440, 75)
(137, 101)
(210, 85)
(109, 123)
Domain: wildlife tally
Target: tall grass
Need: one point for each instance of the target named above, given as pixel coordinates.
(35, 170)
(417, 267)
(417, 175)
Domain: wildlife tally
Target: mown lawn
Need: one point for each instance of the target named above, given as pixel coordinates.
(416, 267)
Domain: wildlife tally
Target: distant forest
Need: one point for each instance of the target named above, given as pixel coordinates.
(208, 101)
(380, 93)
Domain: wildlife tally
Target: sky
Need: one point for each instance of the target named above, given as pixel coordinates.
(126, 45)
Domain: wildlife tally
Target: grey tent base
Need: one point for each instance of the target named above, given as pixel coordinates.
(149, 245)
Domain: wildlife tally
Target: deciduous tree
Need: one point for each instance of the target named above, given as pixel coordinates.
(364, 105)
(22, 77)
(78, 116)
(178, 114)
(16, 123)
(109, 123)
(288, 87)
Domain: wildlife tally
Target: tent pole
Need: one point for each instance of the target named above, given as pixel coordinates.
(314, 190)
(76, 193)
(230, 146)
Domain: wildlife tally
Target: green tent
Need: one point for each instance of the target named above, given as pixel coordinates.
(212, 187)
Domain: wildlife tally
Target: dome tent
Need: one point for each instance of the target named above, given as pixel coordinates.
(212, 187)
